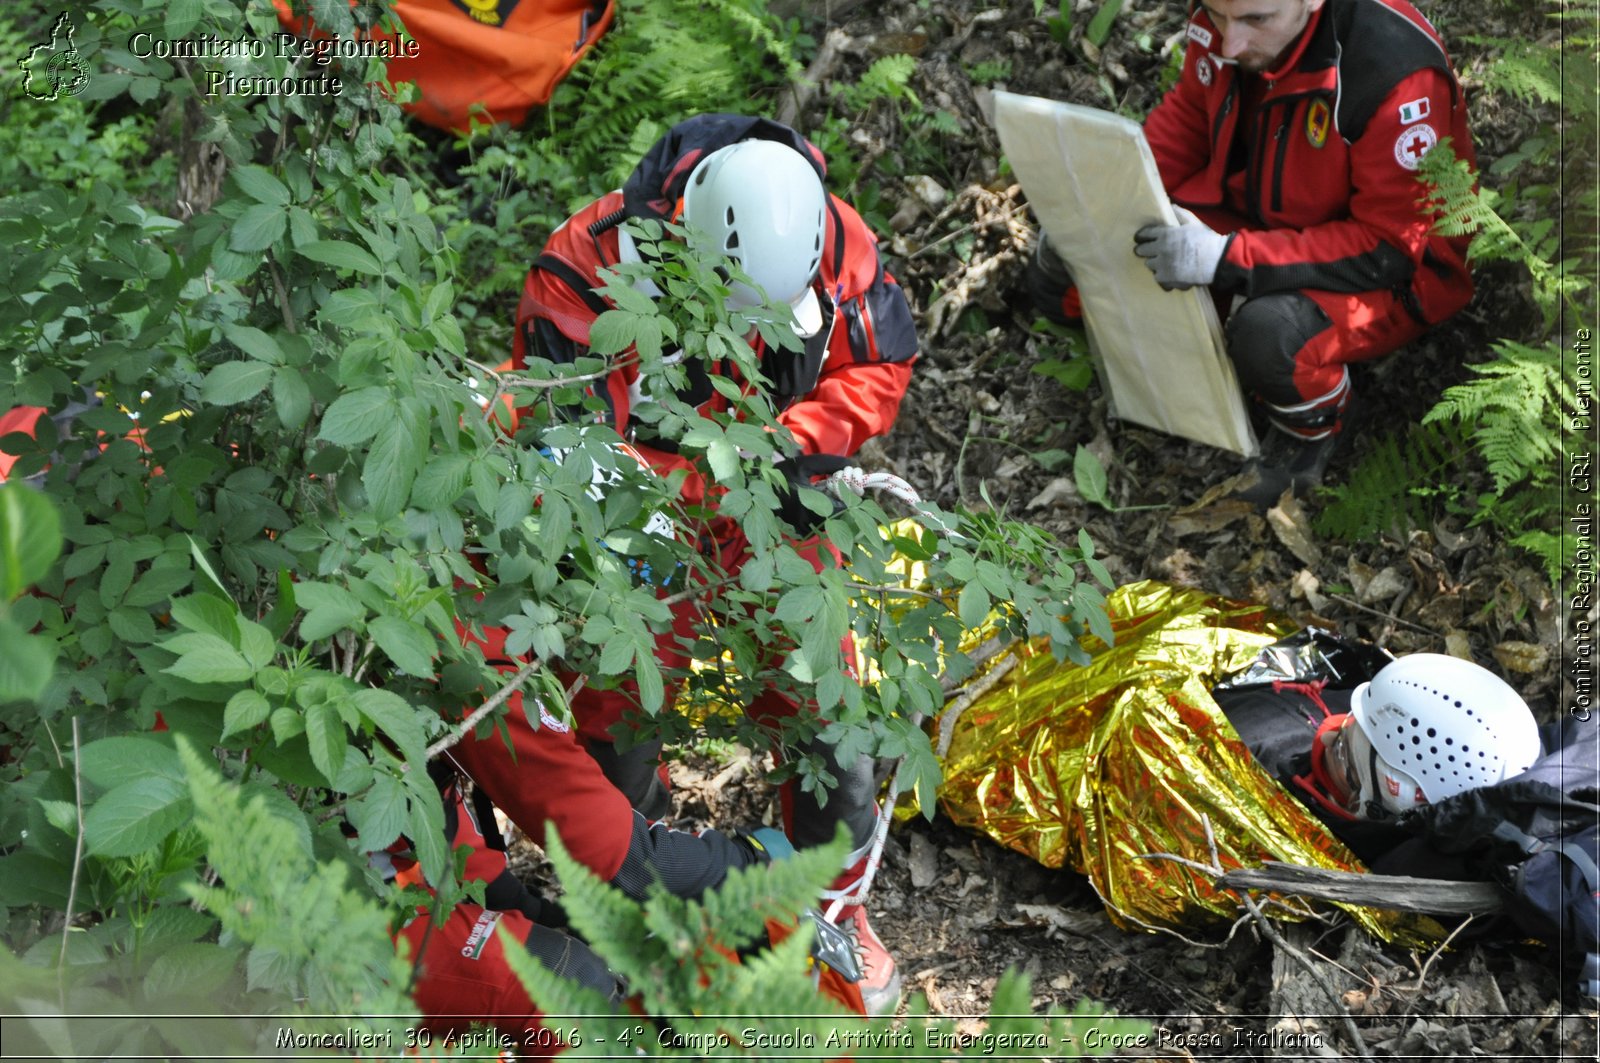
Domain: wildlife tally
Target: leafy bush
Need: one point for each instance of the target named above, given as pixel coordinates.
(288, 491)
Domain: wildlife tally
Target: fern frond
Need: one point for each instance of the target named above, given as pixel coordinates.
(1513, 410)
(663, 61)
(1388, 490)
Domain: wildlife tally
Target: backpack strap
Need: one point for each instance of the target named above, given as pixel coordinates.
(572, 279)
(1506, 831)
(488, 826)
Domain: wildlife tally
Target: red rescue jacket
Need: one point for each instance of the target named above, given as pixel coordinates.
(1328, 196)
(867, 364)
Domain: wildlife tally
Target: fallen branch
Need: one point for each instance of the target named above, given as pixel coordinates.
(801, 92)
(1352, 603)
(972, 692)
(1390, 892)
(1271, 933)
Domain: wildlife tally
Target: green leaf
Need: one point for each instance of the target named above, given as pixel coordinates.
(427, 828)
(973, 605)
(342, 255)
(233, 382)
(256, 643)
(207, 659)
(111, 762)
(180, 20)
(441, 481)
(724, 460)
(30, 538)
(245, 710)
(328, 739)
(258, 228)
(291, 396)
(206, 613)
(391, 468)
(1099, 28)
(257, 182)
(1090, 477)
(395, 717)
(407, 644)
(26, 663)
(328, 609)
(255, 343)
(381, 815)
(136, 816)
(132, 625)
(356, 417)
(617, 654)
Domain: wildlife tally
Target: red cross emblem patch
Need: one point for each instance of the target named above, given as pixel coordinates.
(1413, 143)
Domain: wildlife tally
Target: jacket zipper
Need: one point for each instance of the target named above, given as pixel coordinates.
(1277, 165)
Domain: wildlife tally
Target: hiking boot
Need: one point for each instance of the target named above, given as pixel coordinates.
(880, 975)
(1287, 463)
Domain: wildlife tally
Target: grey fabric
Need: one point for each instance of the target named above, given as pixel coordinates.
(568, 957)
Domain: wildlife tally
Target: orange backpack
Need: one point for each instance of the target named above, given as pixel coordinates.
(506, 56)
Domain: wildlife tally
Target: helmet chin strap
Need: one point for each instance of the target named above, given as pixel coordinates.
(1372, 807)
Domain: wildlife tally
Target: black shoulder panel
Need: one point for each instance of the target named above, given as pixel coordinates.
(1378, 47)
(653, 188)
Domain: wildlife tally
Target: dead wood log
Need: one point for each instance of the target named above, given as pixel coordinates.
(1300, 1013)
(798, 96)
(1398, 893)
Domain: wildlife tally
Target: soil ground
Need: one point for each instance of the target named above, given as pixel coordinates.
(956, 909)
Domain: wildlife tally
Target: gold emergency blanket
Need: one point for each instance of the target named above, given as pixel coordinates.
(1092, 767)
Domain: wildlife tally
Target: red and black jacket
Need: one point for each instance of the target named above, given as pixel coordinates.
(1313, 166)
(855, 392)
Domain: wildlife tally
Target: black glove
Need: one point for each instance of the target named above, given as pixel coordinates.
(799, 472)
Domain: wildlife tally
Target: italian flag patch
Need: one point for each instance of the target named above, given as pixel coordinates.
(1415, 111)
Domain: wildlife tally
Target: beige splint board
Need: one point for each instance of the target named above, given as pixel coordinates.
(1092, 182)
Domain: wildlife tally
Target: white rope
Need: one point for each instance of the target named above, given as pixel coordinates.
(858, 481)
(857, 894)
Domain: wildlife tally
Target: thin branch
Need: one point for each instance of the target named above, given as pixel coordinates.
(984, 223)
(77, 861)
(283, 295)
(1270, 932)
(1352, 603)
(971, 693)
(1423, 973)
(459, 731)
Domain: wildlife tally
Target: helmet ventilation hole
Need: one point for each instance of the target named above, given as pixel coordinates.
(730, 215)
(733, 242)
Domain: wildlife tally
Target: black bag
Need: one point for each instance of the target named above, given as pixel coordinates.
(1538, 835)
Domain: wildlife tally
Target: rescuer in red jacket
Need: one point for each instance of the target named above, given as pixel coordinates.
(755, 187)
(1293, 136)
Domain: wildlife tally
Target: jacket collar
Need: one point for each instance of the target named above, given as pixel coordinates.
(1314, 49)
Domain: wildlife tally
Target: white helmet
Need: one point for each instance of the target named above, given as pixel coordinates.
(763, 204)
(1432, 726)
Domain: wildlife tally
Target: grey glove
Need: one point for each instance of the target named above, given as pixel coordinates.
(1183, 255)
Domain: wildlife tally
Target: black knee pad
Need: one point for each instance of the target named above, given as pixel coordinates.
(1264, 337)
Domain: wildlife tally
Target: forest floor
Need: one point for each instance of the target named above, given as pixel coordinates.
(956, 909)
